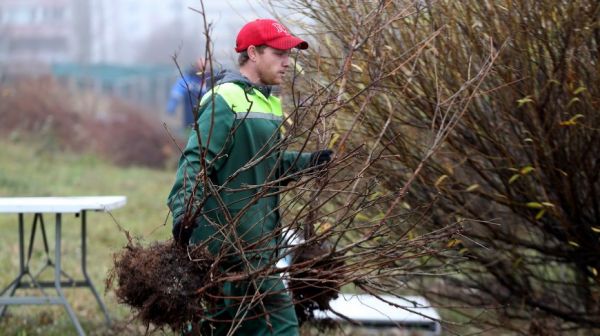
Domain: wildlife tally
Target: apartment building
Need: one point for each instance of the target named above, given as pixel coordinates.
(116, 47)
(44, 31)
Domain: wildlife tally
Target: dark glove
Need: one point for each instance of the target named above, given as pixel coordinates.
(321, 157)
(182, 232)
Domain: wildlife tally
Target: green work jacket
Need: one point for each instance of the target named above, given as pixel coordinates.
(239, 129)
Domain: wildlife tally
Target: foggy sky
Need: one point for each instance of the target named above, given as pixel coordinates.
(152, 31)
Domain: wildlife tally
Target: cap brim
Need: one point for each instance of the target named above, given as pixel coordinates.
(288, 42)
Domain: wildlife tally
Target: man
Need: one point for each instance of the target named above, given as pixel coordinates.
(225, 193)
(187, 90)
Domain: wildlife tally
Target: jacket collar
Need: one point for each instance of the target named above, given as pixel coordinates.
(236, 77)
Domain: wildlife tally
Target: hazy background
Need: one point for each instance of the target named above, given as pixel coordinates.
(118, 48)
(117, 31)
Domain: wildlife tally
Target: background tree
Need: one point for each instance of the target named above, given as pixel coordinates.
(517, 163)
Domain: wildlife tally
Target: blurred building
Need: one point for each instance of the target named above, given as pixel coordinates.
(116, 31)
(83, 31)
(88, 44)
(44, 31)
(116, 47)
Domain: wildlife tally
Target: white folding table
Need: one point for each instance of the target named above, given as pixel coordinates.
(38, 206)
(411, 313)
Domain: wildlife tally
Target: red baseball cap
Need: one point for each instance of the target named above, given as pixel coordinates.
(267, 32)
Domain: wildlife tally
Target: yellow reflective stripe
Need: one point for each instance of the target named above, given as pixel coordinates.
(243, 103)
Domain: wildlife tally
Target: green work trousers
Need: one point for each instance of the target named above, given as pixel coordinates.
(246, 311)
(260, 306)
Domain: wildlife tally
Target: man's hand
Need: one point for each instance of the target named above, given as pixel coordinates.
(182, 232)
(320, 157)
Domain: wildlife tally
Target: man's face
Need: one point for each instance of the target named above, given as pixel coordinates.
(271, 65)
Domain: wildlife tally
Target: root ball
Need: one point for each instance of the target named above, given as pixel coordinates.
(161, 282)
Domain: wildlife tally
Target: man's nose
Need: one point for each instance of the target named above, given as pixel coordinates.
(286, 61)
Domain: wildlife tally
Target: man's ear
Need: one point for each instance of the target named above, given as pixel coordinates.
(251, 53)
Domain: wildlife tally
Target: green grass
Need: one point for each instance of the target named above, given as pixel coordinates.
(39, 170)
(35, 170)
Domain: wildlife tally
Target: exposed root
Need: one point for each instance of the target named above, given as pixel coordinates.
(314, 285)
(161, 282)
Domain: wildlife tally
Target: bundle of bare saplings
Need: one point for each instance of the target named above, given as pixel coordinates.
(162, 282)
(315, 279)
(169, 285)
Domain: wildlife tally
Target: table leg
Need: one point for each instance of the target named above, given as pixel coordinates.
(57, 277)
(84, 267)
(21, 244)
(10, 289)
(34, 277)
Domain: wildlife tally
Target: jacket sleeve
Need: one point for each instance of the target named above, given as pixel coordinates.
(215, 123)
(293, 163)
(177, 92)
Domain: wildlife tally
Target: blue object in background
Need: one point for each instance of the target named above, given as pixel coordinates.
(188, 90)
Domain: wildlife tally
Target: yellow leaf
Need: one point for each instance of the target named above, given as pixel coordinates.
(567, 123)
(356, 67)
(324, 227)
(388, 102)
(548, 204)
(299, 69)
(528, 140)
(362, 217)
(596, 229)
(524, 101)
(579, 90)
(472, 187)
(573, 243)
(405, 205)
(513, 178)
(375, 195)
(534, 205)
(572, 121)
(573, 101)
(334, 139)
(540, 214)
(440, 180)
(526, 170)
(577, 116)
(453, 243)
(594, 271)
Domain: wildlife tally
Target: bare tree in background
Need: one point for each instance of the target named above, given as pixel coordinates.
(512, 158)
